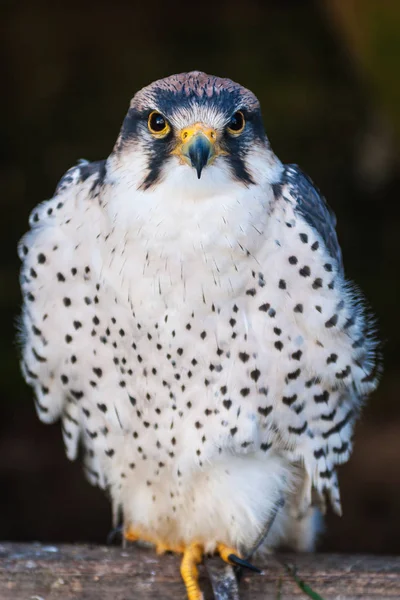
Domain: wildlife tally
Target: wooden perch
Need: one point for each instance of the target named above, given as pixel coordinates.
(61, 572)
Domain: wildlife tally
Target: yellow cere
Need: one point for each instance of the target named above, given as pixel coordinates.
(188, 132)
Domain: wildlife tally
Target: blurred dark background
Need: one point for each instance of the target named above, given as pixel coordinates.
(327, 75)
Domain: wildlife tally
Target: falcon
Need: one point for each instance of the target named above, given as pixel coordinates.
(186, 316)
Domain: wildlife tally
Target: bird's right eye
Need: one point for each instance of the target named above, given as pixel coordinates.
(237, 123)
(157, 124)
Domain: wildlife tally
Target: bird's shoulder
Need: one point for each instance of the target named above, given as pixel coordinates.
(81, 184)
(310, 205)
(80, 173)
(79, 190)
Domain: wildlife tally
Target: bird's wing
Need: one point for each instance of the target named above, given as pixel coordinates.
(321, 339)
(313, 207)
(57, 277)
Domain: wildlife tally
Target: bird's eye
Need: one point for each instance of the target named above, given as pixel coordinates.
(157, 124)
(236, 124)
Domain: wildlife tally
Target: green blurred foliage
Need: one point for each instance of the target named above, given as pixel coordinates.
(371, 31)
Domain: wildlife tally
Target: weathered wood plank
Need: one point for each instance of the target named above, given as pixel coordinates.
(81, 572)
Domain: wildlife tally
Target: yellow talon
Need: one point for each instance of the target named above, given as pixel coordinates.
(162, 548)
(134, 535)
(232, 557)
(225, 551)
(131, 535)
(192, 556)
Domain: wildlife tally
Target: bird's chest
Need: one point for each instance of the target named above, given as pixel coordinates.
(218, 349)
(207, 348)
(191, 332)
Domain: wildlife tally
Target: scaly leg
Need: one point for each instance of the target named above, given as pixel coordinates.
(192, 556)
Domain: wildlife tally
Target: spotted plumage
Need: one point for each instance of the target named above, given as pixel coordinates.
(197, 336)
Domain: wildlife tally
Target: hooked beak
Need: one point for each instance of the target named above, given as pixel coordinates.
(197, 146)
(200, 151)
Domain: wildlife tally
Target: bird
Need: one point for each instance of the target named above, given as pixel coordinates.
(187, 317)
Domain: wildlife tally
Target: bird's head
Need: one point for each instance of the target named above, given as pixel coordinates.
(194, 129)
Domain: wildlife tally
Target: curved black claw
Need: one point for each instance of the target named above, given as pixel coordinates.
(240, 562)
(115, 535)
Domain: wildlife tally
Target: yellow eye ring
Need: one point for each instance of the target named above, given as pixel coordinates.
(157, 124)
(237, 123)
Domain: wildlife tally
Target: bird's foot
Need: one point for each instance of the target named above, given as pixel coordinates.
(135, 535)
(192, 556)
(162, 548)
(132, 535)
(230, 556)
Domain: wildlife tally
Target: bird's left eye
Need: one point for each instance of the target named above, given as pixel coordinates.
(237, 123)
(158, 124)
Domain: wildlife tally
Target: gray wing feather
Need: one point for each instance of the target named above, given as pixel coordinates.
(313, 208)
